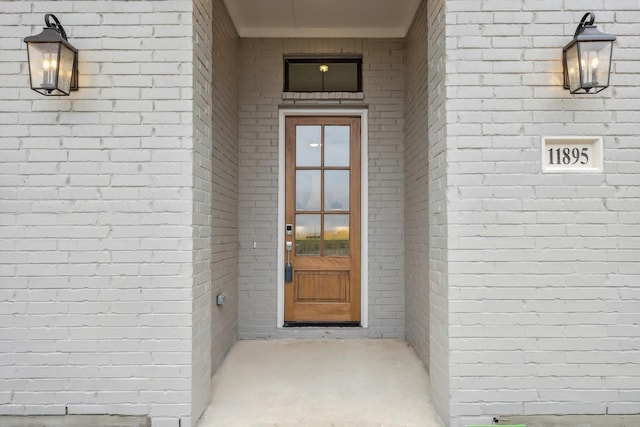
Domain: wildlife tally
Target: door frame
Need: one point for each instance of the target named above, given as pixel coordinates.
(364, 202)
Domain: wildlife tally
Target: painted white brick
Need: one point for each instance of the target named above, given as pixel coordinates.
(225, 160)
(549, 265)
(84, 178)
(98, 196)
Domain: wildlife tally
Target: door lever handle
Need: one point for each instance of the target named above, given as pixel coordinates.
(288, 269)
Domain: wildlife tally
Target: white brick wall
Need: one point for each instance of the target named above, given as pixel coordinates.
(261, 67)
(543, 269)
(97, 212)
(438, 210)
(226, 47)
(416, 208)
(202, 202)
(107, 209)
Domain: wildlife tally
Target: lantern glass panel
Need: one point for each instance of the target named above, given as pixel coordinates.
(43, 63)
(66, 69)
(595, 58)
(573, 68)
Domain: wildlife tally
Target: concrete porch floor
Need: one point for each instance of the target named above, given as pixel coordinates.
(353, 383)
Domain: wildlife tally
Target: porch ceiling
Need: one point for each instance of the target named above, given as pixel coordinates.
(322, 18)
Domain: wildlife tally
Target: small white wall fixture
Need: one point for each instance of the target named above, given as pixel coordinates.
(364, 238)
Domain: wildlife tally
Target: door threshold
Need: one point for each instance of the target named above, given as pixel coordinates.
(355, 324)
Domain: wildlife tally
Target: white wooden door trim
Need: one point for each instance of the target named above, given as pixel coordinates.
(364, 204)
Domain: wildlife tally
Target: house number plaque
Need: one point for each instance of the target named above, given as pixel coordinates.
(565, 154)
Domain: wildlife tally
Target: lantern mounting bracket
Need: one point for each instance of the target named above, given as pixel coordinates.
(583, 23)
(56, 25)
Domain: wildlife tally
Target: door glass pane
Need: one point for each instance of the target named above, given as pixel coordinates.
(308, 145)
(336, 235)
(336, 190)
(308, 234)
(308, 190)
(336, 140)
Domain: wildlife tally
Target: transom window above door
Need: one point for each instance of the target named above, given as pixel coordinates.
(323, 74)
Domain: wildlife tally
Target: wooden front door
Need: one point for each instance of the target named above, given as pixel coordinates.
(322, 212)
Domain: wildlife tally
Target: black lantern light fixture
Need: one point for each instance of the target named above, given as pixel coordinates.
(587, 58)
(53, 61)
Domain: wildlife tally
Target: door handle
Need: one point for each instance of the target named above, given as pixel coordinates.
(288, 269)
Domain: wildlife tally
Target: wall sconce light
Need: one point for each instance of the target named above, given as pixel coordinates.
(324, 68)
(53, 61)
(587, 58)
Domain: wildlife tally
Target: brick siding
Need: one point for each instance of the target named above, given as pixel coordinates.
(438, 209)
(127, 206)
(543, 268)
(226, 46)
(98, 215)
(416, 204)
(202, 173)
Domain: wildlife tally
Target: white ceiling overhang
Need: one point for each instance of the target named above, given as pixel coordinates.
(322, 18)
